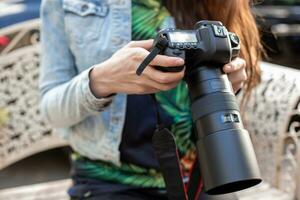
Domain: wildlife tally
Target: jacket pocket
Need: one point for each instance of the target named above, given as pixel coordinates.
(84, 19)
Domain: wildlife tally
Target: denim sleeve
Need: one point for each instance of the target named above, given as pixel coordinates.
(66, 98)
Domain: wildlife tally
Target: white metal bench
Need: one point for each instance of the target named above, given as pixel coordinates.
(272, 117)
(22, 129)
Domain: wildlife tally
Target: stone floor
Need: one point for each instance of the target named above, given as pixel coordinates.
(43, 167)
(45, 176)
(57, 190)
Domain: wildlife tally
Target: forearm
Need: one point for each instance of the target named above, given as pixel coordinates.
(69, 103)
(101, 84)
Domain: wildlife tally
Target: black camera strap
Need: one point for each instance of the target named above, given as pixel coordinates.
(158, 47)
(167, 154)
(165, 146)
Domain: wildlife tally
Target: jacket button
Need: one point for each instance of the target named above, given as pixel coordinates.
(84, 8)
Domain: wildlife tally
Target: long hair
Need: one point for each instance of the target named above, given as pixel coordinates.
(237, 17)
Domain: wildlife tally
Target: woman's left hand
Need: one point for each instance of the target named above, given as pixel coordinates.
(236, 71)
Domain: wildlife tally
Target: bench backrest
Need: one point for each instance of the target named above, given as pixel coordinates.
(272, 114)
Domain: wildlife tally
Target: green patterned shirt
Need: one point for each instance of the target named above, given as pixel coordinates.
(147, 17)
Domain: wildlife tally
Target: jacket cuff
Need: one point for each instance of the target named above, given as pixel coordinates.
(90, 100)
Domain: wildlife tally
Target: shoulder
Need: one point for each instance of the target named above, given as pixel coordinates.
(47, 4)
(51, 6)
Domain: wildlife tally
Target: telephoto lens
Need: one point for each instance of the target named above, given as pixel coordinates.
(225, 152)
(226, 155)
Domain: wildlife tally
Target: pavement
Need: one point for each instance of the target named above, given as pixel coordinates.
(47, 166)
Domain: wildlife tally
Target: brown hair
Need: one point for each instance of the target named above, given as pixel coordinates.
(237, 17)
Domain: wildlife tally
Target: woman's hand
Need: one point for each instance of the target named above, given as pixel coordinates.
(118, 74)
(236, 73)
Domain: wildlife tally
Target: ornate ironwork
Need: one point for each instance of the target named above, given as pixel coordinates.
(273, 120)
(272, 115)
(22, 130)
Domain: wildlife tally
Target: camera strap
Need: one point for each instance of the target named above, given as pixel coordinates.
(165, 146)
(158, 47)
(167, 154)
(195, 183)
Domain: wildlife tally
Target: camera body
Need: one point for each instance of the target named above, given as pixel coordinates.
(226, 156)
(210, 42)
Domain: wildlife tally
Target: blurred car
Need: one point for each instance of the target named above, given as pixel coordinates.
(279, 21)
(16, 11)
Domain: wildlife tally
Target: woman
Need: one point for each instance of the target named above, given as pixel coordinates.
(92, 96)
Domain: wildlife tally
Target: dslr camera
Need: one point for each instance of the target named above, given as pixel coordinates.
(225, 153)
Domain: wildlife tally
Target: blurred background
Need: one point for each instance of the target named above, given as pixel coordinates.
(31, 155)
(279, 21)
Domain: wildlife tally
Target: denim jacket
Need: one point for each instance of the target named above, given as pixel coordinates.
(75, 35)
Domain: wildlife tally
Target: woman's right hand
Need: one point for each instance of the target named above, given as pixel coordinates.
(118, 74)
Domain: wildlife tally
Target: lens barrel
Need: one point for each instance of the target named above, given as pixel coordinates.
(226, 155)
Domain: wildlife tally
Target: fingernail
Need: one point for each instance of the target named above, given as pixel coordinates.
(228, 67)
(179, 61)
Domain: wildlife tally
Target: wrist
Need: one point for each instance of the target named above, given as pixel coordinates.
(100, 84)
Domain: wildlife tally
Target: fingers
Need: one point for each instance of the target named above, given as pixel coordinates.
(237, 86)
(163, 77)
(145, 44)
(139, 54)
(139, 51)
(237, 77)
(155, 86)
(153, 80)
(235, 65)
(236, 73)
(166, 61)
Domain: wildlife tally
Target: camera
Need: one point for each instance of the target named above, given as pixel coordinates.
(225, 153)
